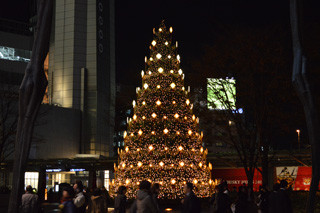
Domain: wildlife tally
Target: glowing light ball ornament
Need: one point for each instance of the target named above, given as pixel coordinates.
(163, 143)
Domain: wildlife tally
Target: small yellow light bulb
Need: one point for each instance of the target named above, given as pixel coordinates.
(190, 132)
(158, 56)
(145, 86)
(171, 30)
(161, 164)
(178, 133)
(165, 131)
(142, 73)
(195, 181)
(181, 163)
(169, 56)
(143, 103)
(164, 117)
(173, 102)
(139, 164)
(187, 101)
(153, 132)
(153, 43)
(127, 149)
(176, 115)
(134, 117)
(127, 181)
(123, 165)
(173, 181)
(180, 71)
(140, 132)
(143, 117)
(193, 117)
(200, 164)
(150, 72)
(172, 85)
(124, 134)
(160, 29)
(166, 43)
(178, 57)
(160, 69)
(151, 59)
(158, 86)
(166, 148)
(150, 147)
(154, 115)
(138, 150)
(158, 102)
(180, 148)
(171, 71)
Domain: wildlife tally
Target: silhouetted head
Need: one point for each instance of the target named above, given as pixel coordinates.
(188, 188)
(29, 189)
(155, 189)
(145, 185)
(122, 190)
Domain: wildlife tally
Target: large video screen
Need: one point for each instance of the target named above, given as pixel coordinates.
(221, 93)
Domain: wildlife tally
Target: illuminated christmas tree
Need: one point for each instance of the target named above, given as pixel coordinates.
(163, 143)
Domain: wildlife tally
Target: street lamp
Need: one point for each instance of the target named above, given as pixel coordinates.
(298, 132)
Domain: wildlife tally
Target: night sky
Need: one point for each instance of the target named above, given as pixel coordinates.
(193, 22)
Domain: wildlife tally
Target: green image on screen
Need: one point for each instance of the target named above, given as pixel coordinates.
(221, 93)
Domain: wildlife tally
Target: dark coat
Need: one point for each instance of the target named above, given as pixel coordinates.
(279, 202)
(120, 203)
(191, 204)
(223, 203)
(98, 204)
(68, 207)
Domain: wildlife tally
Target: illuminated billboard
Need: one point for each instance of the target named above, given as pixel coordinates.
(221, 93)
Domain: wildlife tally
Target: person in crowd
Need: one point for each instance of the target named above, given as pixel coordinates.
(262, 200)
(120, 201)
(144, 201)
(80, 199)
(98, 203)
(155, 190)
(105, 194)
(190, 203)
(221, 201)
(29, 201)
(279, 200)
(242, 200)
(67, 205)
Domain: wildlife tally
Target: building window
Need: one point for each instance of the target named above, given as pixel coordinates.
(106, 180)
(31, 178)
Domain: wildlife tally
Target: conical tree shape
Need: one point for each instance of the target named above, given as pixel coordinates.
(163, 143)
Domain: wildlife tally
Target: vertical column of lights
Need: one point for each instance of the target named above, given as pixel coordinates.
(163, 143)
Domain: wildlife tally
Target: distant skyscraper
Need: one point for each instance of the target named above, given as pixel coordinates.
(82, 68)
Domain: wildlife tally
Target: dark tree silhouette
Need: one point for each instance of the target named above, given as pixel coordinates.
(302, 81)
(256, 58)
(31, 95)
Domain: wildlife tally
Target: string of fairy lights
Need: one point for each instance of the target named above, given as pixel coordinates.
(163, 143)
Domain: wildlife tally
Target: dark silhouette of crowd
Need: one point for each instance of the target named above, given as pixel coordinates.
(244, 200)
(77, 199)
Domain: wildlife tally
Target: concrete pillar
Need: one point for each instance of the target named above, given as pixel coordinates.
(42, 184)
(92, 178)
